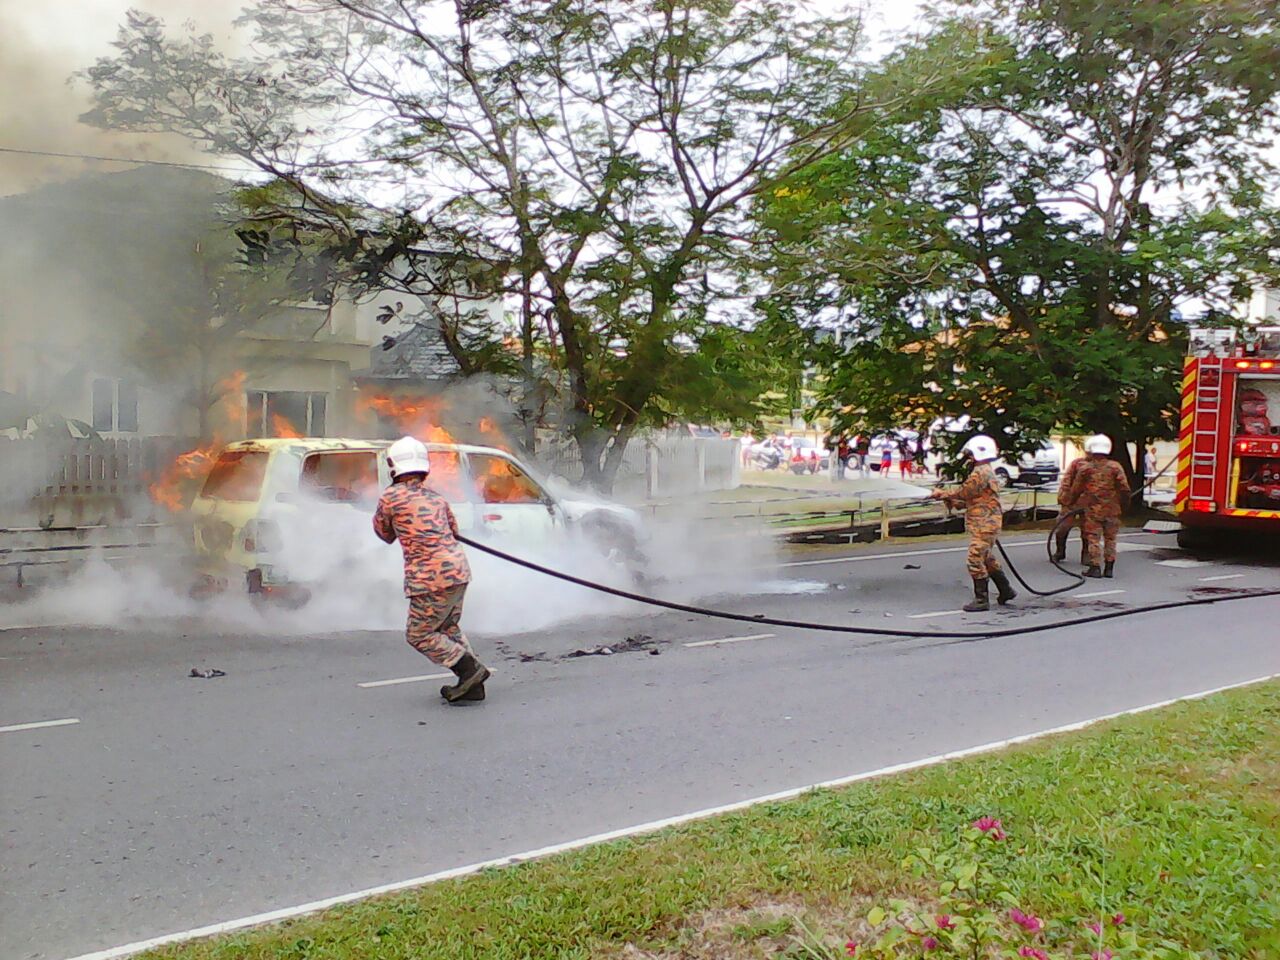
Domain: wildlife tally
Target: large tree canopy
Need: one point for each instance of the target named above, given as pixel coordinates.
(607, 151)
(1019, 250)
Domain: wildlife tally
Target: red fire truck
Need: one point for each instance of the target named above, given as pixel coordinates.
(1229, 443)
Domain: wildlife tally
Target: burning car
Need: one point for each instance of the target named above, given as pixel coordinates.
(258, 491)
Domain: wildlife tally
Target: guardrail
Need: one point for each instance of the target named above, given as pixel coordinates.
(24, 550)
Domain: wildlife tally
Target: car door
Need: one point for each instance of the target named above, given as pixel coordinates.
(513, 506)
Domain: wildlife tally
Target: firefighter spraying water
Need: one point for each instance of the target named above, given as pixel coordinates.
(436, 572)
(979, 495)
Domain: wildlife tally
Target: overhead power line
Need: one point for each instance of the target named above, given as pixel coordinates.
(138, 160)
(142, 161)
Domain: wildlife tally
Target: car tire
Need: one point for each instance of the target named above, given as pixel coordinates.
(607, 535)
(1190, 538)
(205, 588)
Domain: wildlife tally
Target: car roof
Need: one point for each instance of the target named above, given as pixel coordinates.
(338, 444)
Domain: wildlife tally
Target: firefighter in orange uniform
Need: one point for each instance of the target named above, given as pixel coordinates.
(1101, 488)
(1065, 506)
(983, 519)
(436, 572)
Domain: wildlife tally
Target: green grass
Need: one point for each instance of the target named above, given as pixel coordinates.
(1172, 817)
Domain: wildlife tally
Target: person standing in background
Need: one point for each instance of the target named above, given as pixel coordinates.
(861, 450)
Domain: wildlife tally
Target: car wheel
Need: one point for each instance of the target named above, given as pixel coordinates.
(205, 588)
(615, 539)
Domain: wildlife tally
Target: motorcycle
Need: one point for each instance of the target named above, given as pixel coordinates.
(766, 457)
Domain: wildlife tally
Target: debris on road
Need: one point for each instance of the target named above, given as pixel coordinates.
(206, 674)
(911, 566)
(635, 644)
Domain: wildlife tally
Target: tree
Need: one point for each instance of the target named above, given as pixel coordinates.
(605, 152)
(1020, 250)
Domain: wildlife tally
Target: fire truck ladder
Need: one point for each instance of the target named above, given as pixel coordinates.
(1204, 433)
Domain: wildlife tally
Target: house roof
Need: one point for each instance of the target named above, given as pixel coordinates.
(417, 354)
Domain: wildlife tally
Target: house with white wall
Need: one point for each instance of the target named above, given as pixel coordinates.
(97, 318)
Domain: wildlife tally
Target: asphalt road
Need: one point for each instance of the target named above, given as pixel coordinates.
(176, 802)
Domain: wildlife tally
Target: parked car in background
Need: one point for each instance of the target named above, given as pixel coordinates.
(1031, 469)
(260, 490)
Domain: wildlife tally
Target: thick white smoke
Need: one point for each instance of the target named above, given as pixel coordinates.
(355, 580)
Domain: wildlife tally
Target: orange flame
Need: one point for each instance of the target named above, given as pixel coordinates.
(283, 427)
(414, 416)
(178, 481)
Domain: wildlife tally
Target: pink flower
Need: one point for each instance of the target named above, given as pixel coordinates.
(1101, 955)
(944, 922)
(1117, 920)
(929, 943)
(1033, 953)
(851, 948)
(990, 825)
(1027, 921)
(1096, 928)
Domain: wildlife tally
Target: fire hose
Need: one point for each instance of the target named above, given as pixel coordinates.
(762, 620)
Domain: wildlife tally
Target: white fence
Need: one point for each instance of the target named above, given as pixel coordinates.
(80, 481)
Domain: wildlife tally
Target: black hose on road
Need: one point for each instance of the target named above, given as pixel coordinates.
(1078, 579)
(865, 631)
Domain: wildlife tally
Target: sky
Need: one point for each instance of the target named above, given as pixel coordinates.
(42, 44)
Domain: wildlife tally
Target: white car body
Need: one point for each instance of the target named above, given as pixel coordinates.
(302, 483)
(1030, 469)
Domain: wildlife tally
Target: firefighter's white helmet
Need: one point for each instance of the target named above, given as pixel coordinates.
(408, 455)
(1098, 443)
(982, 448)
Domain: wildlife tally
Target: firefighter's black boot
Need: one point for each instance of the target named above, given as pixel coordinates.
(980, 601)
(471, 674)
(1060, 552)
(1109, 571)
(1094, 572)
(1004, 589)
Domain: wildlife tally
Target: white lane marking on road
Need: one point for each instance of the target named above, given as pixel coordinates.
(1225, 576)
(712, 643)
(1182, 563)
(1098, 593)
(286, 913)
(393, 682)
(936, 613)
(38, 724)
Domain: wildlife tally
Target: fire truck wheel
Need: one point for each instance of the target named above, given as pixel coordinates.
(1192, 539)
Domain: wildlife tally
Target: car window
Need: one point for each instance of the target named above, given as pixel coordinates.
(498, 480)
(237, 476)
(445, 477)
(341, 476)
